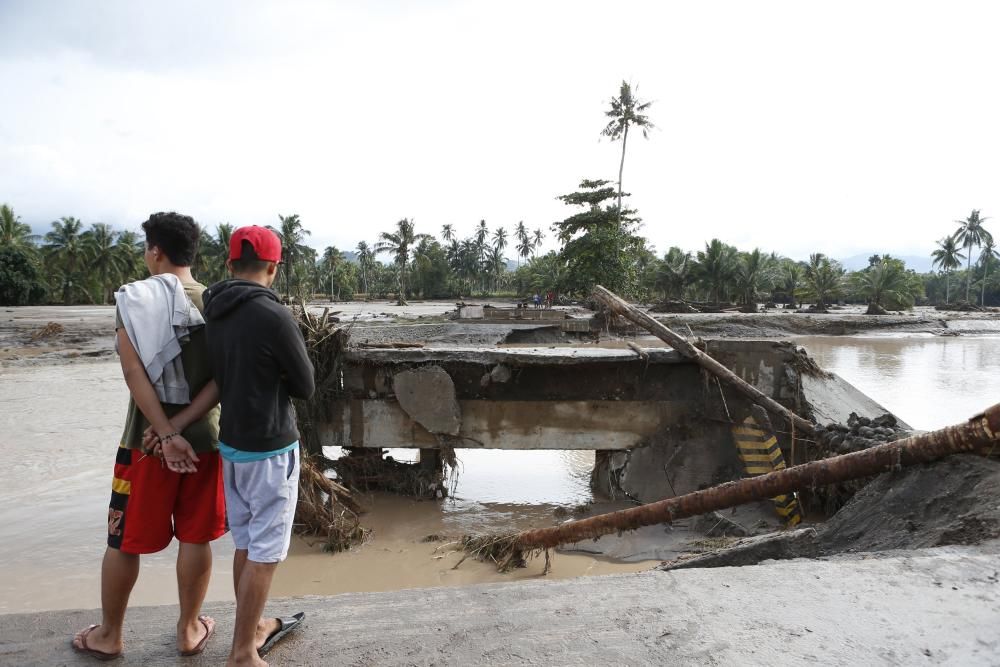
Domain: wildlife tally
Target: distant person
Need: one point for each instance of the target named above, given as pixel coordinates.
(537, 300)
(550, 299)
(259, 363)
(160, 336)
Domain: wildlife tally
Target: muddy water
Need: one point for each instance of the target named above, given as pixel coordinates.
(59, 425)
(928, 381)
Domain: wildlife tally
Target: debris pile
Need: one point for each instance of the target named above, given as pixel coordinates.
(370, 471)
(327, 510)
(859, 433)
(48, 331)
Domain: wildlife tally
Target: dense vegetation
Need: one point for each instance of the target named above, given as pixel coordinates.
(598, 243)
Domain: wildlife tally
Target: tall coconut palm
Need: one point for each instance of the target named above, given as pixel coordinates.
(399, 244)
(536, 240)
(500, 239)
(365, 261)
(13, 232)
(331, 259)
(947, 258)
(523, 239)
(626, 110)
(293, 249)
(986, 258)
(103, 260)
(448, 233)
(65, 254)
(971, 234)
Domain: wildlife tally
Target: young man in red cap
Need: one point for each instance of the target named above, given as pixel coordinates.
(259, 363)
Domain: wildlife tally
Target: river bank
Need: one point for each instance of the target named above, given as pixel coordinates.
(40, 335)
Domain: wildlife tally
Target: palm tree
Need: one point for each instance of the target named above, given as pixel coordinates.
(626, 110)
(500, 239)
(791, 274)
(674, 273)
(536, 240)
(292, 235)
(365, 259)
(448, 233)
(823, 279)
(65, 253)
(986, 258)
(13, 232)
(752, 274)
(947, 258)
(971, 234)
(129, 248)
(223, 234)
(104, 262)
(884, 281)
(716, 266)
(332, 257)
(523, 239)
(398, 244)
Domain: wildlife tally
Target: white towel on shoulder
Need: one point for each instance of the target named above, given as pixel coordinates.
(158, 318)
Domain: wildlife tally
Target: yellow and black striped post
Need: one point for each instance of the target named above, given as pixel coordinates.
(760, 453)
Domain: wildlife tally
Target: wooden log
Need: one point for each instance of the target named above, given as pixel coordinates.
(980, 432)
(681, 344)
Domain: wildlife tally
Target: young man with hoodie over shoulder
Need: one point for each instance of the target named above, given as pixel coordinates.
(170, 486)
(259, 363)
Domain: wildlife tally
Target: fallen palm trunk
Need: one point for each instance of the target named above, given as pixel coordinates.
(978, 435)
(681, 344)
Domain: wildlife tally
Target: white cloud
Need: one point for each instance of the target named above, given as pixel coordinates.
(792, 126)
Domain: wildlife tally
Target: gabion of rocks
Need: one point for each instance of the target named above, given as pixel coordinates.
(859, 433)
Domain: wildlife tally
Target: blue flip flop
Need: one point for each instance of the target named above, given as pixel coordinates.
(285, 625)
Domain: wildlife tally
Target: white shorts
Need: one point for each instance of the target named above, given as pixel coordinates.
(260, 504)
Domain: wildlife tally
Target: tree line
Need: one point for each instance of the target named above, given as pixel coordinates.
(599, 243)
(74, 263)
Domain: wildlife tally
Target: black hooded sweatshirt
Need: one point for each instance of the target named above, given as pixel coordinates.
(259, 361)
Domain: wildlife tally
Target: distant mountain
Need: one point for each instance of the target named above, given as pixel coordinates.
(915, 262)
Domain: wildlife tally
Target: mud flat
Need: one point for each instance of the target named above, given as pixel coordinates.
(844, 322)
(938, 606)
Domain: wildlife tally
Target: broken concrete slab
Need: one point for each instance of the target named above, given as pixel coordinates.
(427, 395)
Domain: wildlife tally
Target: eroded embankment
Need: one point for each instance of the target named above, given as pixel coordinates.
(952, 501)
(781, 325)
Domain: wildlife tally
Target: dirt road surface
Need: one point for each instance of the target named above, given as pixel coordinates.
(938, 606)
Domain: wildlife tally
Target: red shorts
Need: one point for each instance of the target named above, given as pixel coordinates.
(150, 504)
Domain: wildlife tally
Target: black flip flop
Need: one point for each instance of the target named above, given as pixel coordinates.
(285, 625)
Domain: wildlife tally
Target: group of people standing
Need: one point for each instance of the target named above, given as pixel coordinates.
(186, 469)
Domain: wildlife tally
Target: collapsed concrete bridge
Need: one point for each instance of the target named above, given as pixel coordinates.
(659, 424)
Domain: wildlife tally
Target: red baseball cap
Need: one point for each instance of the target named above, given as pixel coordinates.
(265, 243)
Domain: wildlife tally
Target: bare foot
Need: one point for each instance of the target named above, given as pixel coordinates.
(192, 634)
(98, 639)
(265, 628)
(250, 661)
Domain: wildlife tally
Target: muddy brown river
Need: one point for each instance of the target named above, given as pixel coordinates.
(60, 423)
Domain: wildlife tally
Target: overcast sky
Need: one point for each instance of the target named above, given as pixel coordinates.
(842, 127)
